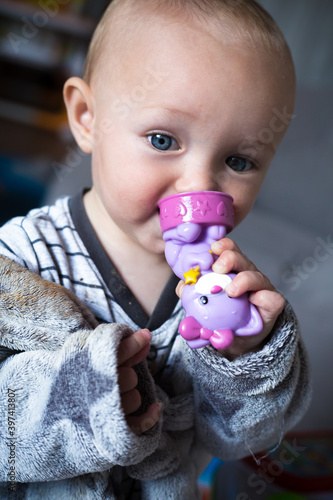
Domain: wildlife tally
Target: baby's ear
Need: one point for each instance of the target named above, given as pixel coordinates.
(80, 110)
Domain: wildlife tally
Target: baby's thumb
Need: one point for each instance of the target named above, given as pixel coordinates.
(179, 288)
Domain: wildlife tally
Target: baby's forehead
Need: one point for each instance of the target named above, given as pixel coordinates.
(234, 21)
(130, 21)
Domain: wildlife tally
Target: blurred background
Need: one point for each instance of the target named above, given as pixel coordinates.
(42, 43)
(289, 232)
(292, 219)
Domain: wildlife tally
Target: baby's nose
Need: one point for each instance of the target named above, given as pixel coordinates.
(197, 178)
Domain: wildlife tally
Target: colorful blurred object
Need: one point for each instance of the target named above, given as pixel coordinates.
(207, 480)
(300, 468)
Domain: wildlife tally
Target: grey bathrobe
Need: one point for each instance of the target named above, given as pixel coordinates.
(68, 431)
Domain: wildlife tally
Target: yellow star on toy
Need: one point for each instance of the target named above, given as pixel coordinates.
(191, 277)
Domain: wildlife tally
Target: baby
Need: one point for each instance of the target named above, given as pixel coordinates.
(177, 96)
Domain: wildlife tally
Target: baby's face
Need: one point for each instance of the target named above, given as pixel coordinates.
(183, 112)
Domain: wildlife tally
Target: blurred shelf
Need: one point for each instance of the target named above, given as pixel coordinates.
(28, 115)
(42, 43)
(62, 20)
(22, 139)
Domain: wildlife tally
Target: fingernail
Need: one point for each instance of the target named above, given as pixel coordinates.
(146, 334)
(216, 247)
(230, 289)
(149, 422)
(157, 410)
(219, 266)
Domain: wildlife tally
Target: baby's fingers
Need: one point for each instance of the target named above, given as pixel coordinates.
(270, 304)
(130, 401)
(134, 348)
(179, 288)
(248, 281)
(221, 246)
(231, 260)
(128, 379)
(143, 423)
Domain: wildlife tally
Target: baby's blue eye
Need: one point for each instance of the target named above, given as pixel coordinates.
(238, 164)
(162, 142)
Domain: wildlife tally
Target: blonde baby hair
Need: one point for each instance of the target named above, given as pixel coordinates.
(243, 21)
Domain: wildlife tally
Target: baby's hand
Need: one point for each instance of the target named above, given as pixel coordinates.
(249, 279)
(262, 293)
(132, 350)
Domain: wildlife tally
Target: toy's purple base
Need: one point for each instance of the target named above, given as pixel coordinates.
(197, 343)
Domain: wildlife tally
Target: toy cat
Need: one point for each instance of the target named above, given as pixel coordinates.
(190, 223)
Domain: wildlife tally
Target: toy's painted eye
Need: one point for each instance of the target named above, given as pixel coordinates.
(163, 142)
(203, 299)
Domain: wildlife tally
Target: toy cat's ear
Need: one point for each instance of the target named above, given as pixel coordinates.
(254, 325)
(80, 110)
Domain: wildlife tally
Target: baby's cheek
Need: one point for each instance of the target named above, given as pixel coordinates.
(241, 211)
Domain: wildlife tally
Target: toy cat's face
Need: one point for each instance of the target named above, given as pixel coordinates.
(208, 303)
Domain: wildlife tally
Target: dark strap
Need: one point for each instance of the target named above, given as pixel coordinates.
(5, 352)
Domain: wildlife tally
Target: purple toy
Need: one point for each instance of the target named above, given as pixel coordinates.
(190, 223)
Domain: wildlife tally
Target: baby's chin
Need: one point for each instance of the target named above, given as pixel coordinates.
(158, 246)
(155, 244)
